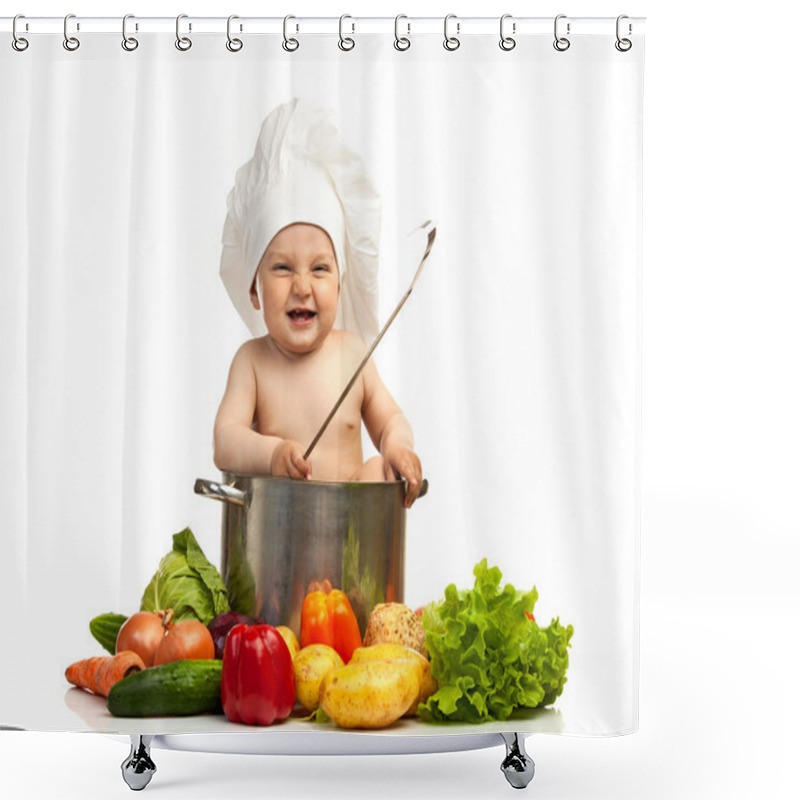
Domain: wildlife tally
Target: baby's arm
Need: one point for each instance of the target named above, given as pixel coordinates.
(391, 432)
(237, 447)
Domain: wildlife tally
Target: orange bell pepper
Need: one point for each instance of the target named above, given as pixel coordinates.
(327, 618)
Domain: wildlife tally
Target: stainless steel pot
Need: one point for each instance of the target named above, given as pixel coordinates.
(279, 535)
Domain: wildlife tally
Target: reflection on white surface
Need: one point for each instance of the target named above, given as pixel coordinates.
(214, 733)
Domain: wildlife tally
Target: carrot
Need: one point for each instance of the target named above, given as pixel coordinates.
(99, 674)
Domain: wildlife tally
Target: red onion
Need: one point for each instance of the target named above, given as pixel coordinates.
(220, 627)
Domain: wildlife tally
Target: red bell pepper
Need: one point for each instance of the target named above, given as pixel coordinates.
(327, 618)
(257, 676)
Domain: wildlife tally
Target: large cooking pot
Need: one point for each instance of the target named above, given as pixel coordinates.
(279, 535)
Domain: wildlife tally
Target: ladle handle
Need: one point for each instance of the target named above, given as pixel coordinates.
(220, 491)
(323, 428)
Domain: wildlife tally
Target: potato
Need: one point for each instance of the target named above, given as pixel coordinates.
(371, 694)
(290, 639)
(399, 652)
(395, 623)
(381, 652)
(311, 665)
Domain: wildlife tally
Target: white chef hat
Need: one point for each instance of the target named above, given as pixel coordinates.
(303, 171)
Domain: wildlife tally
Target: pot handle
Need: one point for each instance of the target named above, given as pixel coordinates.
(220, 491)
(423, 490)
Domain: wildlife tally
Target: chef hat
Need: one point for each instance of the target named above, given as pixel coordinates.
(303, 171)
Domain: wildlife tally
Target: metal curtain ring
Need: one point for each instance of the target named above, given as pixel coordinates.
(623, 45)
(345, 42)
(506, 42)
(183, 43)
(234, 45)
(401, 42)
(129, 43)
(18, 42)
(451, 42)
(70, 42)
(561, 43)
(289, 44)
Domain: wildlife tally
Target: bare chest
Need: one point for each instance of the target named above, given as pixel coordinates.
(294, 400)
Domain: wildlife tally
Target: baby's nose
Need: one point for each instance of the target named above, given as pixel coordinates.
(302, 285)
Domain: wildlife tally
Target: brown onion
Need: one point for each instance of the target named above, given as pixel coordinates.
(183, 640)
(142, 633)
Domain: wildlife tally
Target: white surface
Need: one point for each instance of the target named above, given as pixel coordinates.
(719, 698)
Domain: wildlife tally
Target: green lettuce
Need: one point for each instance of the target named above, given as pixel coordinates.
(186, 582)
(488, 656)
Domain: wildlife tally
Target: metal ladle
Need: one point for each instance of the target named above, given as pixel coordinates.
(431, 237)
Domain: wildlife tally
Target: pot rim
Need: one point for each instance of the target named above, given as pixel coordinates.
(311, 482)
(238, 488)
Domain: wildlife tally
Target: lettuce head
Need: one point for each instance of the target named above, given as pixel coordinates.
(488, 656)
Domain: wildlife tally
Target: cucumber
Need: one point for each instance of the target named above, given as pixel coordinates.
(105, 629)
(179, 688)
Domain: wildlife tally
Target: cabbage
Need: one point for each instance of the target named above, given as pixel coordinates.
(488, 657)
(186, 582)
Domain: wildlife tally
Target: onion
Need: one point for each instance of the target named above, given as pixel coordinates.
(183, 640)
(142, 632)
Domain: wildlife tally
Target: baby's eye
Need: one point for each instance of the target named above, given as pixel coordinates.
(322, 268)
(280, 268)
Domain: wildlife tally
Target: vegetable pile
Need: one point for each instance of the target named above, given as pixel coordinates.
(488, 655)
(476, 655)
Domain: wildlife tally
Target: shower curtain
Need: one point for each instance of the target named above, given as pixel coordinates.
(516, 360)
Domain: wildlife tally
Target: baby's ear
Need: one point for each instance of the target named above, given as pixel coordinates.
(254, 297)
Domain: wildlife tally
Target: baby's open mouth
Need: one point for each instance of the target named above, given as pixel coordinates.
(300, 315)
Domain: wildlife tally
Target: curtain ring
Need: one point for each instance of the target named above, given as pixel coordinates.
(289, 44)
(451, 42)
(506, 42)
(183, 43)
(70, 42)
(561, 43)
(19, 43)
(129, 43)
(234, 45)
(345, 42)
(623, 45)
(401, 42)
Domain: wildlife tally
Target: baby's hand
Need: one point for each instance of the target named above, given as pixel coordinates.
(405, 463)
(288, 461)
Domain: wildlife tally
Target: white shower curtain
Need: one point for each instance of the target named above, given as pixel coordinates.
(516, 360)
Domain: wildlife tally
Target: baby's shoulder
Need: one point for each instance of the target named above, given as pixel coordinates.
(252, 351)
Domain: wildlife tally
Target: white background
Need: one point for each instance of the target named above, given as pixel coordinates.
(720, 440)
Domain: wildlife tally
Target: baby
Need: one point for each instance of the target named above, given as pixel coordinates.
(282, 385)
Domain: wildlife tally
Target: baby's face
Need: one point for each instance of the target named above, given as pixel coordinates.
(297, 288)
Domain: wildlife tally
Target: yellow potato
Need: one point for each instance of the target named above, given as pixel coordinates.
(381, 652)
(370, 694)
(311, 665)
(290, 639)
(399, 652)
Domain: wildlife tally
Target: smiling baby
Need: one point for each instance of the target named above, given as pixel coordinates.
(300, 259)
